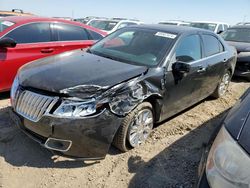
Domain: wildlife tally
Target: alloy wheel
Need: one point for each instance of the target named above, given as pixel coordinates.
(140, 128)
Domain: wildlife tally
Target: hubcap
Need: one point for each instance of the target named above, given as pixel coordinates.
(140, 128)
(224, 84)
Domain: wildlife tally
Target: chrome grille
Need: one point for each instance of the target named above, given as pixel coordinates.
(32, 105)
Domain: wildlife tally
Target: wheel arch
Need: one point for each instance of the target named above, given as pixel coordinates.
(156, 101)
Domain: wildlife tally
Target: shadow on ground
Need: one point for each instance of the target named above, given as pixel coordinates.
(5, 95)
(183, 156)
(19, 150)
(238, 79)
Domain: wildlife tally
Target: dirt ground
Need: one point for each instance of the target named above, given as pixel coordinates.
(170, 157)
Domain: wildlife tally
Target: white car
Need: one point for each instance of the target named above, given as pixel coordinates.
(174, 22)
(111, 25)
(216, 27)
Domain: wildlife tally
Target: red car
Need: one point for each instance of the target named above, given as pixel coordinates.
(27, 38)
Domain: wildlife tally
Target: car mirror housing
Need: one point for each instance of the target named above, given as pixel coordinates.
(219, 32)
(7, 43)
(181, 67)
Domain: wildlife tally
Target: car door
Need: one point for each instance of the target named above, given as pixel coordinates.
(70, 37)
(185, 91)
(33, 42)
(214, 53)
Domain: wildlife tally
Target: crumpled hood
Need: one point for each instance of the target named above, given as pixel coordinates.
(240, 46)
(74, 69)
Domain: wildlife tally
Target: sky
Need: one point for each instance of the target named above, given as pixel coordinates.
(148, 11)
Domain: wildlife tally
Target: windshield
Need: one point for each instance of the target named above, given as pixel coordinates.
(237, 35)
(168, 23)
(103, 24)
(137, 46)
(208, 26)
(5, 24)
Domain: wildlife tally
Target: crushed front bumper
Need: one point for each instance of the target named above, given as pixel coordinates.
(90, 138)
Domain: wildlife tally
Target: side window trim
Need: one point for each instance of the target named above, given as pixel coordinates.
(30, 24)
(193, 34)
(219, 42)
(55, 32)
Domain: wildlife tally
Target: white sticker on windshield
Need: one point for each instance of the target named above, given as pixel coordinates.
(166, 35)
(7, 23)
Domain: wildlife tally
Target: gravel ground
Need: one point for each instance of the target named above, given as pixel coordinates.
(170, 157)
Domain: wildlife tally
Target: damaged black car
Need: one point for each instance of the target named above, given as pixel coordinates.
(78, 103)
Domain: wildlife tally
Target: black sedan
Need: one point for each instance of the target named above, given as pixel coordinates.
(239, 37)
(78, 103)
(228, 161)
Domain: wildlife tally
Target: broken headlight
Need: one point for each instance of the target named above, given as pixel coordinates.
(228, 164)
(126, 98)
(71, 108)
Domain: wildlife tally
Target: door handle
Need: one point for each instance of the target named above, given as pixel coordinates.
(201, 69)
(47, 50)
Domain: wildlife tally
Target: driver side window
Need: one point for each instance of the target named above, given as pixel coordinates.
(189, 49)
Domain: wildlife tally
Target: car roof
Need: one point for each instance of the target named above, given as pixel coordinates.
(28, 19)
(25, 19)
(209, 22)
(171, 28)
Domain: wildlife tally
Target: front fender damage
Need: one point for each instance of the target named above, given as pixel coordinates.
(121, 98)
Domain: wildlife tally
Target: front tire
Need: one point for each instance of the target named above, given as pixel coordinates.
(222, 87)
(135, 128)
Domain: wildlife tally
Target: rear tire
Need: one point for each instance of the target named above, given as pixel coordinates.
(222, 87)
(133, 126)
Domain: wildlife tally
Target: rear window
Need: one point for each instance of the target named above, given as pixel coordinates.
(66, 32)
(212, 45)
(5, 24)
(95, 35)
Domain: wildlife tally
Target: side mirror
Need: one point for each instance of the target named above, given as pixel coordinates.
(181, 67)
(180, 70)
(7, 43)
(219, 32)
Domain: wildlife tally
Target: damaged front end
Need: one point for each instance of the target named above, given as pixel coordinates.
(121, 98)
(83, 121)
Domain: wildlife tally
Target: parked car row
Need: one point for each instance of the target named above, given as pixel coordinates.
(216, 27)
(76, 102)
(111, 25)
(14, 12)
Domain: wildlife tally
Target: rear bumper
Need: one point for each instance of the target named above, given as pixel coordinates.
(88, 138)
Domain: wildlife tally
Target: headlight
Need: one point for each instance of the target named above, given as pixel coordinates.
(13, 90)
(228, 164)
(71, 109)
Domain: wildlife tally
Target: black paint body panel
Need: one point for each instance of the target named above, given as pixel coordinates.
(91, 137)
